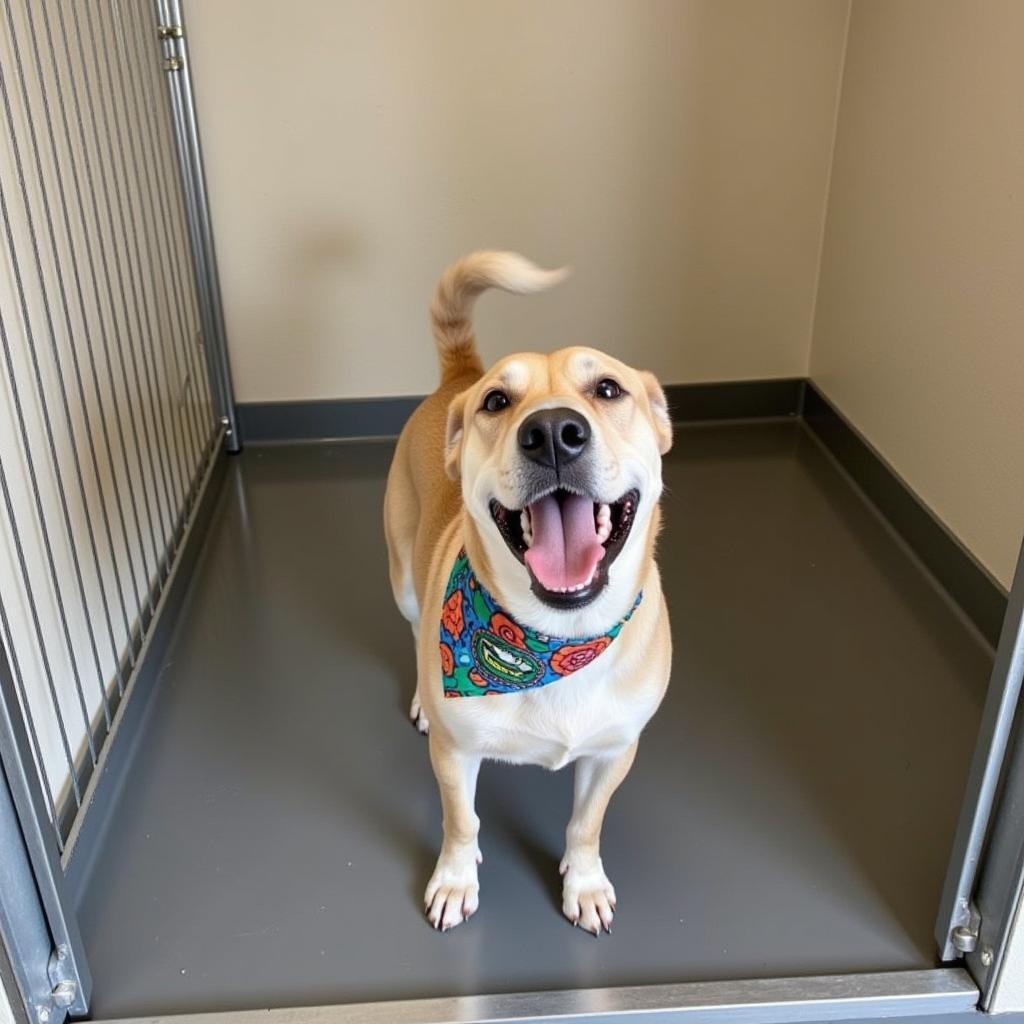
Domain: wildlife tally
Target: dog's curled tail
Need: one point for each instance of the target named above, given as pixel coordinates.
(451, 310)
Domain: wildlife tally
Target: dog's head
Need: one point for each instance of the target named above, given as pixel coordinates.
(560, 462)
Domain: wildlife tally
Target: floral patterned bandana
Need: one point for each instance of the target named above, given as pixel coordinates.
(484, 652)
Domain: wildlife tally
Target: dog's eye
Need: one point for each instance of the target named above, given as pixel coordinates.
(608, 389)
(495, 401)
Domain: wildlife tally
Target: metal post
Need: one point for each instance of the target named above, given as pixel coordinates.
(958, 925)
(172, 32)
(25, 825)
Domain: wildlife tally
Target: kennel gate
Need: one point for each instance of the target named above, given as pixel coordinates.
(117, 395)
(121, 409)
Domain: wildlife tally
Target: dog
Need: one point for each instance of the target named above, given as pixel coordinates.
(521, 512)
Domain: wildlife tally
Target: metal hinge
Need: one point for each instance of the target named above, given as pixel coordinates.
(65, 988)
(964, 936)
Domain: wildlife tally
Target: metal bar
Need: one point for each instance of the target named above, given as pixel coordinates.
(94, 372)
(196, 253)
(146, 59)
(1000, 879)
(190, 152)
(761, 1001)
(55, 351)
(174, 189)
(1004, 690)
(37, 626)
(97, 476)
(130, 229)
(167, 421)
(7, 640)
(105, 138)
(9, 984)
(186, 452)
(70, 965)
(84, 839)
(136, 147)
(23, 430)
(24, 937)
(157, 571)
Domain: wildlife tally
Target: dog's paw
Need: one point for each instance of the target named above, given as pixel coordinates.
(419, 719)
(588, 899)
(453, 892)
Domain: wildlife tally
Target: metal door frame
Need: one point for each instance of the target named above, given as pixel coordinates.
(984, 840)
(170, 30)
(43, 963)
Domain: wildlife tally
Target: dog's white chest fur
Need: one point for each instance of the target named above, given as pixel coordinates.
(579, 716)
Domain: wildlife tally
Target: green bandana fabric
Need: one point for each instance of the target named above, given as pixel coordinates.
(485, 652)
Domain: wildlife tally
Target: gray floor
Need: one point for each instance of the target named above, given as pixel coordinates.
(790, 811)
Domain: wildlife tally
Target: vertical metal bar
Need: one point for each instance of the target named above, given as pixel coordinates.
(203, 386)
(144, 321)
(97, 476)
(144, 59)
(26, 581)
(156, 573)
(193, 174)
(170, 424)
(94, 372)
(1004, 691)
(196, 253)
(104, 135)
(149, 204)
(70, 965)
(24, 934)
(29, 337)
(7, 640)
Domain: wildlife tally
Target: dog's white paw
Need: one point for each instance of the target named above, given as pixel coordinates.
(453, 892)
(419, 719)
(588, 899)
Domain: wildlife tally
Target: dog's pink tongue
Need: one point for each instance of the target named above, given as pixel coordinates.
(565, 548)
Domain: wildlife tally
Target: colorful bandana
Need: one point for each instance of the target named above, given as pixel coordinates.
(484, 652)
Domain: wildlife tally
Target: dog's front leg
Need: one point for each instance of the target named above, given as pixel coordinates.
(453, 891)
(588, 898)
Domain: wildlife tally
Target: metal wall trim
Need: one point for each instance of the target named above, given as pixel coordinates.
(104, 783)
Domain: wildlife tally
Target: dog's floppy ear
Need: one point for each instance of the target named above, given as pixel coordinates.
(659, 410)
(453, 435)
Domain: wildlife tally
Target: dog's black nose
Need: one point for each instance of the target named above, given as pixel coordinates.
(554, 437)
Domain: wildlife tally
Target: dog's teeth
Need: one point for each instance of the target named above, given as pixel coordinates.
(527, 528)
(604, 523)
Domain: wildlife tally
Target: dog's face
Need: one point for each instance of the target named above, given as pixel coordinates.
(560, 460)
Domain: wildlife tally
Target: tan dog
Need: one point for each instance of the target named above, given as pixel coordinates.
(559, 459)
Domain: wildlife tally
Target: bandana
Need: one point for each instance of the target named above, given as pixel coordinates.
(484, 651)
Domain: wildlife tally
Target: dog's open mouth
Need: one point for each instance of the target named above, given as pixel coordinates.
(567, 542)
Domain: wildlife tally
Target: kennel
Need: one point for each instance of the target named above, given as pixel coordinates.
(197, 818)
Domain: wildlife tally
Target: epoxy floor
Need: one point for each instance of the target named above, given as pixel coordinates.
(790, 811)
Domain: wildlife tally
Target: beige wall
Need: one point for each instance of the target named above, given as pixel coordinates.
(919, 335)
(675, 153)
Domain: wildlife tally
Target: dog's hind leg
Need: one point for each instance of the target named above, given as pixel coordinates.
(401, 520)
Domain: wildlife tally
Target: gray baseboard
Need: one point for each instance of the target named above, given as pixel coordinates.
(966, 581)
(338, 418)
(973, 589)
(109, 775)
